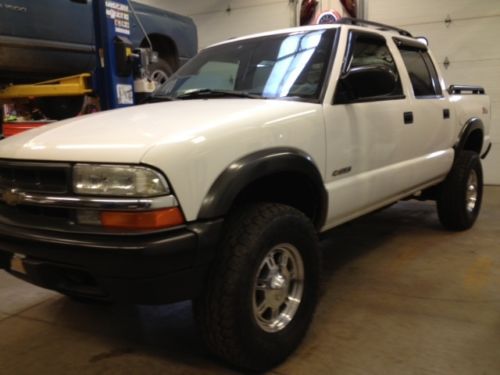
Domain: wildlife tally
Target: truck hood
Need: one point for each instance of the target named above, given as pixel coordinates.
(126, 135)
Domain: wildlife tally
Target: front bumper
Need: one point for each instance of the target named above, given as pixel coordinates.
(149, 268)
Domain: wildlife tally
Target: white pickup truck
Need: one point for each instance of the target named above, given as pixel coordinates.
(217, 190)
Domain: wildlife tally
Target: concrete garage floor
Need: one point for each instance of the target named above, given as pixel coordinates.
(400, 296)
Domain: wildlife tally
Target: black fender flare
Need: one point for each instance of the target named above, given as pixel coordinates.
(242, 172)
(470, 126)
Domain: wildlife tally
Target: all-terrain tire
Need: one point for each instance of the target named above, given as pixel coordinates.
(460, 195)
(227, 313)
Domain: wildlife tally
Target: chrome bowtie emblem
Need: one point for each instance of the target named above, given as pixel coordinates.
(12, 197)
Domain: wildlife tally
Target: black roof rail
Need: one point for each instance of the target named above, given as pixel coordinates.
(380, 26)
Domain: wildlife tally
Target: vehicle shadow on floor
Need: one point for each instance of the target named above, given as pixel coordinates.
(343, 244)
(164, 333)
(168, 333)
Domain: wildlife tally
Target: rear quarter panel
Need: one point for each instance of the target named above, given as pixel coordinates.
(472, 106)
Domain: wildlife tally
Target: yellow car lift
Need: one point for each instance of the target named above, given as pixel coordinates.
(67, 86)
(77, 85)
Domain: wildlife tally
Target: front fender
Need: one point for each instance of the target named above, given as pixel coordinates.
(252, 167)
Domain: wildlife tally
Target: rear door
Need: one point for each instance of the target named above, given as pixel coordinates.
(429, 135)
(465, 47)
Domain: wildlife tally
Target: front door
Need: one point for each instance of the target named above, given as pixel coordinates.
(365, 126)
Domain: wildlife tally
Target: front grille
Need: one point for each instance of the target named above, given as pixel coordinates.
(53, 178)
(40, 212)
(36, 216)
(35, 178)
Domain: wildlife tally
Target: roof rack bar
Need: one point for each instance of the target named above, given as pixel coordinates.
(380, 26)
(458, 89)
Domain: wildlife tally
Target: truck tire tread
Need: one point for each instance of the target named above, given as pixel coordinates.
(216, 312)
(452, 202)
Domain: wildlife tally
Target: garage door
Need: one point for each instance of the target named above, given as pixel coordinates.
(469, 41)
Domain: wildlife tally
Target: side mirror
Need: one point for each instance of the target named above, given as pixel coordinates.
(365, 82)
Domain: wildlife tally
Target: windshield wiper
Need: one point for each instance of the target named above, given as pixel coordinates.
(211, 93)
(157, 98)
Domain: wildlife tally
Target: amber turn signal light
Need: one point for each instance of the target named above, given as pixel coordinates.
(142, 220)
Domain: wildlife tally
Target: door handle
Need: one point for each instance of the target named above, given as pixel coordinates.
(408, 117)
(446, 113)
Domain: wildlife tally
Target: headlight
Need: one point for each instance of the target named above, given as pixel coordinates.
(116, 180)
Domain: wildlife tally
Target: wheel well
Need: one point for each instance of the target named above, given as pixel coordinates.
(288, 188)
(165, 47)
(474, 141)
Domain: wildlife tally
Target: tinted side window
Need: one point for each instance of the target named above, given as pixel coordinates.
(370, 71)
(422, 73)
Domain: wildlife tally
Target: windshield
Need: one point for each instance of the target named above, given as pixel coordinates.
(278, 66)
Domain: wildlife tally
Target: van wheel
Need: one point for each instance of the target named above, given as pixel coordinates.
(460, 196)
(159, 71)
(263, 288)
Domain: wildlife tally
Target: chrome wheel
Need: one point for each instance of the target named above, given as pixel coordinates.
(460, 195)
(278, 288)
(261, 293)
(472, 191)
(158, 76)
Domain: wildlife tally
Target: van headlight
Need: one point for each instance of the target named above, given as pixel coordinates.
(118, 180)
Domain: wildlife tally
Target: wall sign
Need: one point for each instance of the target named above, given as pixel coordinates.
(329, 16)
(119, 13)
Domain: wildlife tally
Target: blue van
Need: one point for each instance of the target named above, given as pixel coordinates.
(45, 39)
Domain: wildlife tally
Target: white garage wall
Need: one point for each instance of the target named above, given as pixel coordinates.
(216, 23)
(470, 42)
